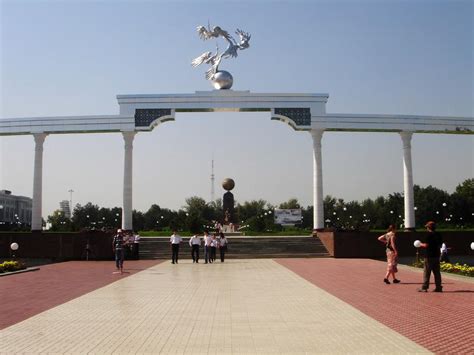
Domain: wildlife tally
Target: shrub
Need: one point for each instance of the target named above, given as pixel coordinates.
(457, 268)
(8, 266)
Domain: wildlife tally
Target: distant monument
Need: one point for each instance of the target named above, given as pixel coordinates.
(228, 201)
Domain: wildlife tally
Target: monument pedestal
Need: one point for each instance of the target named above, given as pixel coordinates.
(230, 230)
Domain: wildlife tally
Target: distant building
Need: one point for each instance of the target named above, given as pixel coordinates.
(14, 209)
(65, 208)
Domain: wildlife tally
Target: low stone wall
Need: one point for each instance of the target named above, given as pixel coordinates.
(58, 246)
(366, 245)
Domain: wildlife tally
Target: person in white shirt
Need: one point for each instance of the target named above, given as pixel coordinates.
(195, 243)
(207, 246)
(175, 240)
(444, 253)
(222, 246)
(213, 249)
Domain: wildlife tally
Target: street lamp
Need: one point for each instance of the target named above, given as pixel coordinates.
(14, 247)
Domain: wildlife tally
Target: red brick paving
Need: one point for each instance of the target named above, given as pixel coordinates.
(27, 294)
(441, 322)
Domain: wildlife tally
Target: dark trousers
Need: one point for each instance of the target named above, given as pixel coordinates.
(136, 251)
(213, 253)
(444, 257)
(222, 251)
(119, 256)
(432, 264)
(195, 252)
(207, 252)
(175, 249)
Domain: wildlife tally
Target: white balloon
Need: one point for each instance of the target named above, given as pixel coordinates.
(417, 243)
(14, 246)
(472, 245)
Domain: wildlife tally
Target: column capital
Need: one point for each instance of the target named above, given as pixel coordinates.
(39, 137)
(317, 133)
(406, 138)
(128, 137)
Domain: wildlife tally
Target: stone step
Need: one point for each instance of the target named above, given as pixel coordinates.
(242, 247)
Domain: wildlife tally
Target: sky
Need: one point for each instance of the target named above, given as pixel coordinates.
(387, 57)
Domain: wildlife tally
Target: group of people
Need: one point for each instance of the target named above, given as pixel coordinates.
(436, 251)
(211, 244)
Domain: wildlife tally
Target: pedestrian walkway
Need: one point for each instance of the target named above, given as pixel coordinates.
(240, 306)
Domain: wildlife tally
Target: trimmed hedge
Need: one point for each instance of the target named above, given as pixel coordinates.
(457, 268)
(9, 266)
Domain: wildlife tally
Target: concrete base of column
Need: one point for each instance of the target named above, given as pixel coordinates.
(315, 231)
(410, 229)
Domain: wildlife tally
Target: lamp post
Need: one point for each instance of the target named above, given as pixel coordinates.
(14, 247)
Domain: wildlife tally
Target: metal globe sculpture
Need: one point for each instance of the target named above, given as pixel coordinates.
(228, 184)
(222, 80)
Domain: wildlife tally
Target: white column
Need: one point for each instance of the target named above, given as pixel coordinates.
(36, 215)
(127, 208)
(408, 181)
(318, 206)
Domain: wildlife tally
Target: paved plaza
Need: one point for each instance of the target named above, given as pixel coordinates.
(260, 306)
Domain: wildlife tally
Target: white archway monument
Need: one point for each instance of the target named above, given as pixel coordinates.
(303, 112)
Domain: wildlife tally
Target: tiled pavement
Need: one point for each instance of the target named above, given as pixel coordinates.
(441, 322)
(241, 306)
(24, 295)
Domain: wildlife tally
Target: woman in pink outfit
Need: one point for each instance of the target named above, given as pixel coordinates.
(392, 254)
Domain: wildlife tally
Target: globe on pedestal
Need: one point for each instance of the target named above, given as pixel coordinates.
(222, 80)
(228, 184)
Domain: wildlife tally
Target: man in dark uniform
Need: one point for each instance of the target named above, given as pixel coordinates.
(432, 246)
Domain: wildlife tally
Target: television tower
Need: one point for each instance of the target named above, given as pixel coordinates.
(212, 180)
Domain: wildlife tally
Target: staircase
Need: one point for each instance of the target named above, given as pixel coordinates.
(241, 248)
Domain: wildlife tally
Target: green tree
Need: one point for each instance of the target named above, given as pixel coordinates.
(251, 209)
(431, 204)
(138, 220)
(461, 204)
(291, 204)
(59, 222)
(85, 217)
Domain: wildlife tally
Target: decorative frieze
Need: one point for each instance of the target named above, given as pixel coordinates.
(299, 115)
(145, 116)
